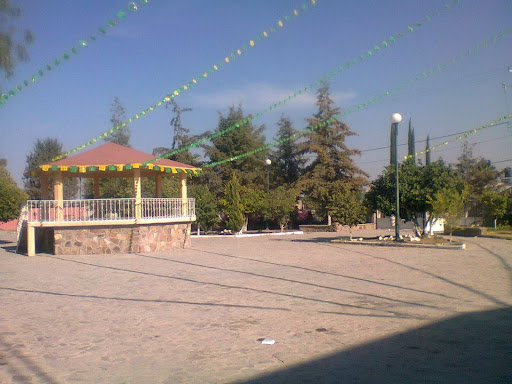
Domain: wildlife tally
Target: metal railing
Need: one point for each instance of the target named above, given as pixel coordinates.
(94, 210)
(160, 208)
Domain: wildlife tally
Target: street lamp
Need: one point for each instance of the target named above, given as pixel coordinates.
(395, 119)
(268, 162)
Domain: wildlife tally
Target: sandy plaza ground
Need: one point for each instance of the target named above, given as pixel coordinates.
(338, 313)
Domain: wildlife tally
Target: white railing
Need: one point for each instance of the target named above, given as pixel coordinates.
(159, 208)
(94, 210)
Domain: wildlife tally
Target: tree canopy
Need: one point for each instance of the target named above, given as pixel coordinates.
(417, 184)
(332, 160)
(12, 45)
(448, 203)
(246, 137)
(11, 196)
(43, 151)
(286, 158)
(478, 174)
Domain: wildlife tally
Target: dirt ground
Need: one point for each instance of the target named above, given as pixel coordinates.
(338, 313)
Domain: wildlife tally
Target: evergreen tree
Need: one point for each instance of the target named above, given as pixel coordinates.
(244, 138)
(411, 147)
(288, 160)
(43, 152)
(233, 205)
(427, 151)
(12, 47)
(120, 136)
(332, 161)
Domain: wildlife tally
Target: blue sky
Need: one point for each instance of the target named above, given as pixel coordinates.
(167, 43)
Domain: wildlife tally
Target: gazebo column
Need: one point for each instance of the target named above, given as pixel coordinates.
(137, 193)
(96, 183)
(158, 183)
(58, 194)
(44, 186)
(183, 194)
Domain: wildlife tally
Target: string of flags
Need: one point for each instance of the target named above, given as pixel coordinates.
(336, 72)
(422, 76)
(133, 6)
(235, 54)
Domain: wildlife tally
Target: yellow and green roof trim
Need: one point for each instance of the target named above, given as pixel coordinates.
(110, 157)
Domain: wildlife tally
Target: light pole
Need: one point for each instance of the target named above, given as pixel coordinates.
(268, 162)
(395, 119)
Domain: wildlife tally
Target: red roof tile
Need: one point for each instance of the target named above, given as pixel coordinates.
(111, 153)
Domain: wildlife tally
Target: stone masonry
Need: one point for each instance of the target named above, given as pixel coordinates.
(121, 239)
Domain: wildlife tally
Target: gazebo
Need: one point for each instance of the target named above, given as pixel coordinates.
(118, 225)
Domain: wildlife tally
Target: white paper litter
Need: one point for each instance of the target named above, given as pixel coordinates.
(268, 341)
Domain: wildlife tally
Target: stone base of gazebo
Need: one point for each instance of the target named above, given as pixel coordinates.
(112, 239)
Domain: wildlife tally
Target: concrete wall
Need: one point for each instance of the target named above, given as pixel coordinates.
(120, 239)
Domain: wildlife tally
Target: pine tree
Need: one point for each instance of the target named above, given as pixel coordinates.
(427, 151)
(287, 157)
(411, 147)
(44, 151)
(332, 161)
(118, 117)
(233, 205)
(244, 138)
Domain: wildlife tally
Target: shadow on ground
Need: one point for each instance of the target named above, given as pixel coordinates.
(469, 348)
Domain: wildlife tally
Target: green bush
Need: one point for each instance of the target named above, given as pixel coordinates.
(11, 197)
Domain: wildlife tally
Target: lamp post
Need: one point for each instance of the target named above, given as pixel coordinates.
(268, 162)
(395, 119)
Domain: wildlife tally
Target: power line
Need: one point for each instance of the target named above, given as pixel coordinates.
(432, 138)
(443, 150)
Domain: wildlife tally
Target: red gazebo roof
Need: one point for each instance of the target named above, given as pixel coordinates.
(111, 157)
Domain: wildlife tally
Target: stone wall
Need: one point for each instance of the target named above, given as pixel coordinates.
(335, 227)
(120, 239)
